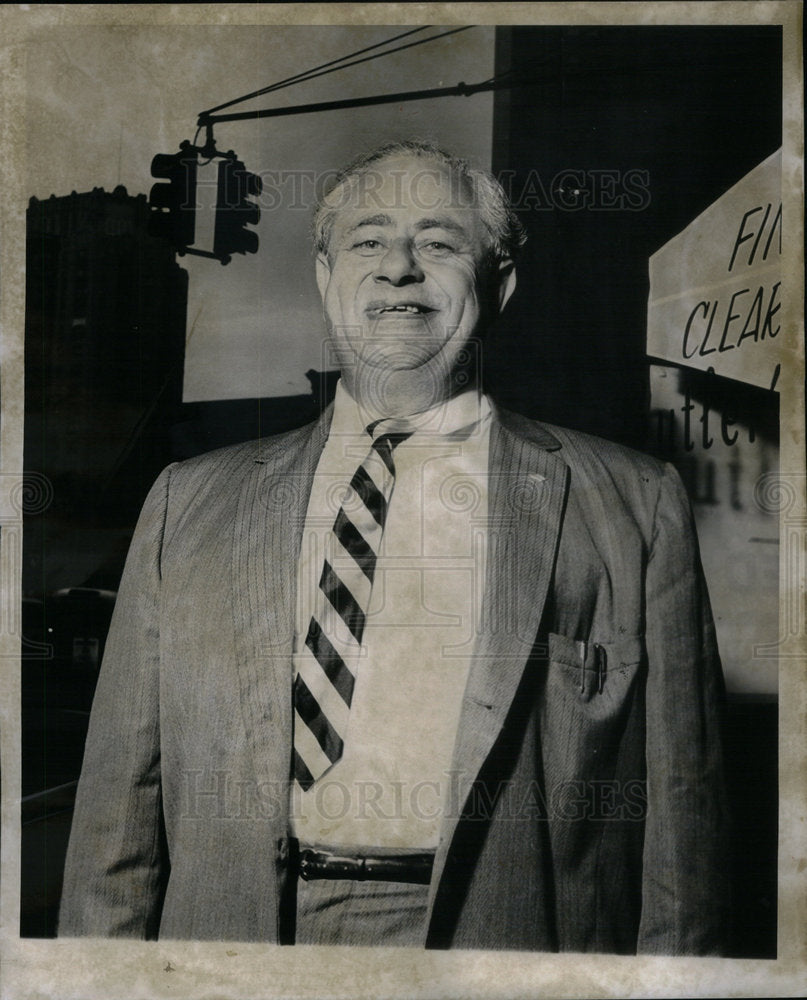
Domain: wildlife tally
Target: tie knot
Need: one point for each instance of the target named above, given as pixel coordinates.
(389, 430)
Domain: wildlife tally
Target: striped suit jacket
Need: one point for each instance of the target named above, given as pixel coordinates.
(587, 809)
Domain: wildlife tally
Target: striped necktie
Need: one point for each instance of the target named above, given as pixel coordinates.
(328, 661)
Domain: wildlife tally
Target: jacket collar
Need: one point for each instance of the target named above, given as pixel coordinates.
(314, 435)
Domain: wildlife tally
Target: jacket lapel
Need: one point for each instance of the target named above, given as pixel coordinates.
(267, 534)
(526, 499)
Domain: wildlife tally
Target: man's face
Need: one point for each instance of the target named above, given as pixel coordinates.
(405, 283)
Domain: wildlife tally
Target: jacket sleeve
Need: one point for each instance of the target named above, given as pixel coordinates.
(117, 865)
(685, 903)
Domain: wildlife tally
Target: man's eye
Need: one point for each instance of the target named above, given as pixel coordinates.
(367, 246)
(436, 248)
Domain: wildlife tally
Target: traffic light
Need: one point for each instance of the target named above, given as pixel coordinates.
(173, 205)
(234, 211)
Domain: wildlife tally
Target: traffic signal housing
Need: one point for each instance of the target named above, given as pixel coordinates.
(173, 204)
(234, 210)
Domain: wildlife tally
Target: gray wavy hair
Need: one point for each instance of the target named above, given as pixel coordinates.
(505, 233)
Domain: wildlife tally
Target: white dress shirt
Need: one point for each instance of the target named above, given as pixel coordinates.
(390, 787)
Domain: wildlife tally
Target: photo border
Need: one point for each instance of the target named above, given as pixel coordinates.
(92, 968)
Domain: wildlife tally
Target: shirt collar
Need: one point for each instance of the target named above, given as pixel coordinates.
(459, 416)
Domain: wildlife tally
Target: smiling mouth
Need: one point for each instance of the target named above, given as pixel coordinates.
(402, 309)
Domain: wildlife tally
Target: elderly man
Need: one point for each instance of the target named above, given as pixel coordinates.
(422, 673)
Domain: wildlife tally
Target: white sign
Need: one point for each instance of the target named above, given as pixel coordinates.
(715, 289)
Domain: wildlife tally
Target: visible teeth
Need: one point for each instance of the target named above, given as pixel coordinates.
(409, 309)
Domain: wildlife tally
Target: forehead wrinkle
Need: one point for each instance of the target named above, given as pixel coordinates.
(436, 222)
(370, 220)
(441, 222)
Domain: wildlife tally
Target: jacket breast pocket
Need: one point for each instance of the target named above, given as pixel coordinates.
(592, 715)
(597, 676)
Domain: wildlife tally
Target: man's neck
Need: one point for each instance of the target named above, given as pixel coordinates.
(400, 396)
(463, 414)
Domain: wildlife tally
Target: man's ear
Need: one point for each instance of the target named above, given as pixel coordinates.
(506, 282)
(323, 274)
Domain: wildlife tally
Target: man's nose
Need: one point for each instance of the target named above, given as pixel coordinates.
(398, 265)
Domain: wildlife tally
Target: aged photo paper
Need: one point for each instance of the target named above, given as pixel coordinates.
(654, 153)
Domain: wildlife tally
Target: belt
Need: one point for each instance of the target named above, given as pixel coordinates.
(416, 868)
